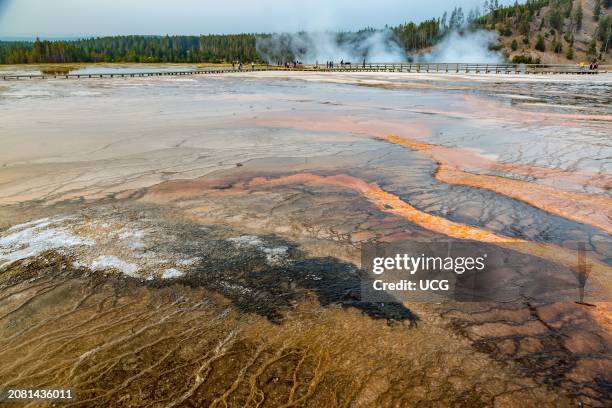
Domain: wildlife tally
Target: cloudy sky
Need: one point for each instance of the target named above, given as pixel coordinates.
(57, 18)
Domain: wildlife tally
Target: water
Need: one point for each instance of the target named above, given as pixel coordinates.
(79, 69)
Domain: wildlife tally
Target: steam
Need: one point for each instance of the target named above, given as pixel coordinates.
(374, 46)
(321, 46)
(465, 47)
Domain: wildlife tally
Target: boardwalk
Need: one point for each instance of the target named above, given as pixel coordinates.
(347, 67)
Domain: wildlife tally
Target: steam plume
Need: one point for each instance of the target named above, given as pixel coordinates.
(320, 46)
(464, 48)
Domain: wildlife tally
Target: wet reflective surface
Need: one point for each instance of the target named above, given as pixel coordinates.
(84, 69)
(252, 194)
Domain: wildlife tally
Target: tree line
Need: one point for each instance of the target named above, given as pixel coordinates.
(134, 48)
(208, 48)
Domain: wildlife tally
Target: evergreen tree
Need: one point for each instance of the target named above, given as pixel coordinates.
(540, 44)
(568, 8)
(604, 32)
(597, 10)
(554, 18)
(577, 18)
(557, 45)
(525, 27)
(413, 37)
(592, 51)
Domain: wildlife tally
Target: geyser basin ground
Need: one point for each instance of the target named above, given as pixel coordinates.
(195, 240)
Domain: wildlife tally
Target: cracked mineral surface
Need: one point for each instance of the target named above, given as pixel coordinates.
(195, 241)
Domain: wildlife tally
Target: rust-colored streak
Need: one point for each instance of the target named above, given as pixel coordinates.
(584, 208)
(455, 156)
(468, 160)
(322, 122)
(391, 203)
(479, 105)
(587, 209)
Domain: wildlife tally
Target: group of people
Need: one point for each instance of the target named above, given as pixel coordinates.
(330, 64)
(593, 65)
(239, 64)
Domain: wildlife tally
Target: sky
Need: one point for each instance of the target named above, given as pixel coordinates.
(70, 18)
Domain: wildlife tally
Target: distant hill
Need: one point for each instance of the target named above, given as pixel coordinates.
(553, 31)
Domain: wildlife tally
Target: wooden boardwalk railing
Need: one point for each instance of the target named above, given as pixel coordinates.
(130, 74)
(467, 68)
(457, 68)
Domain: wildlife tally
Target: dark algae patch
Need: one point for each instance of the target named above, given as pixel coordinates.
(258, 282)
